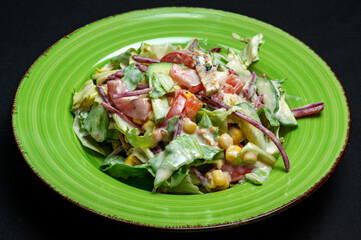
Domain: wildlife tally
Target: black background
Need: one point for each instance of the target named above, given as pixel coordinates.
(31, 210)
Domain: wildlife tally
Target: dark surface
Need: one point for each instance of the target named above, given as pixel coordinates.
(31, 210)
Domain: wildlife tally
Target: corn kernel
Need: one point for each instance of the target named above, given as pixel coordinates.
(211, 183)
(225, 141)
(151, 116)
(177, 88)
(218, 177)
(232, 152)
(249, 157)
(236, 134)
(148, 126)
(226, 184)
(132, 161)
(189, 126)
(218, 180)
(138, 121)
(188, 94)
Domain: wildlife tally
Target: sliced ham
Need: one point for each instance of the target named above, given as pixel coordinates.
(134, 107)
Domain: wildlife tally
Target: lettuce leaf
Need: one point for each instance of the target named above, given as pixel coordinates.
(85, 97)
(158, 91)
(84, 137)
(96, 123)
(115, 167)
(217, 117)
(181, 151)
(211, 153)
(124, 59)
(170, 128)
(250, 51)
(156, 51)
(144, 141)
(186, 186)
(236, 63)
(132, 77)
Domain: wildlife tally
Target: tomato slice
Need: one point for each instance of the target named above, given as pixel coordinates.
(233, 84)
(196, 88)
(180, 57)
(176, 109)
(192, 107)
(186, 77)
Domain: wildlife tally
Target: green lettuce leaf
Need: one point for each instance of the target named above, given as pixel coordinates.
(115, 167)
(250, 51)
(236, 63)
(158, 91)
(144, 141)
(132, 77)
(156, 51)
(85, 97)
(170, 128)
(217, 117)
(96, 123)
(181, 151)
(205, 121)
(211, 153)
(186, 186)
(220, 59)
(124, 59)
(84, 137)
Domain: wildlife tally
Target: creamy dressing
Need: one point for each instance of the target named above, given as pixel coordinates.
(204, 136)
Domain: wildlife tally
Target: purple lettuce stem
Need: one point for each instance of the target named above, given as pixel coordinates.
(217, 49)
(103, 95)
(141, 59)
(141, 67)
(250, 89)
(116, 75)
(132, 93)
(142, 86)
(308, 109)
(201, 178)
(178, 127)
(258, 102)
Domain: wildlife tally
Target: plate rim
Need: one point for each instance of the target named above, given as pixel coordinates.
(252, 219)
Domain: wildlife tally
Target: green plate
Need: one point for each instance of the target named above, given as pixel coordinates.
(42, 121)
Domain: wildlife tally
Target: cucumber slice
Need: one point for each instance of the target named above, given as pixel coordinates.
(284, 113)
(252, 133)
(160, 108)
(270, 94)
(162, 67)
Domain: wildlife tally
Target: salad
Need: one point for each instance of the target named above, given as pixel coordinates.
(186, 120)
